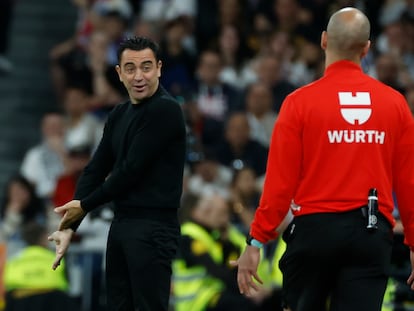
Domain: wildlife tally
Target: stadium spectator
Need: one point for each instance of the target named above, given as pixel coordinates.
(43, 163)
(209, 176)
(214, 100)
(202, 277)
(237, 68)
(261, 117)
(82, 127)
(20, 206)
(245, 195)
(270, 72)
(389, 71)
(237, 149)
(178, 61)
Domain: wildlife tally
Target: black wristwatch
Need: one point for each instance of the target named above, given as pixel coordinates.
(253, 242)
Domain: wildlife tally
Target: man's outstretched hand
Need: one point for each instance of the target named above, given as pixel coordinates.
(62, 239)
(71, 212)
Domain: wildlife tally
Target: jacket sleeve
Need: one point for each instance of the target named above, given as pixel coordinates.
(97, 169)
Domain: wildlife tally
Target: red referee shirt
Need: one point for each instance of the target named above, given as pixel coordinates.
(334, 140)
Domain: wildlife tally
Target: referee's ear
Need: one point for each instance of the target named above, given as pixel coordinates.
(365, 50)
(324, 40)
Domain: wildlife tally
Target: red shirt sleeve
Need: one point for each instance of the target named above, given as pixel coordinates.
(282, 174)
(403, 179)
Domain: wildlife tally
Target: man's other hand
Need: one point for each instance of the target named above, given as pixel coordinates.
(72, 212)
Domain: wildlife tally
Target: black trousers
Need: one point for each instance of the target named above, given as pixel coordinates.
(332, 262)
(140, 250)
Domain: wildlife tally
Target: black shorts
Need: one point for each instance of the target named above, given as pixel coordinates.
(332, 262)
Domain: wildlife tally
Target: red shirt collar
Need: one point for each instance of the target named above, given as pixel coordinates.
(342, 65)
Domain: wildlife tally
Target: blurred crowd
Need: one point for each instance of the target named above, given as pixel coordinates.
(230, 63)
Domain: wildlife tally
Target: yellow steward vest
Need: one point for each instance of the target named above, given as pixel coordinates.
(32, 269)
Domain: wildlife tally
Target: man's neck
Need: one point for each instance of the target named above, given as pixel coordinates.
(331, 58)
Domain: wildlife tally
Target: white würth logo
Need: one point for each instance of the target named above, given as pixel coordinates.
(355, 109)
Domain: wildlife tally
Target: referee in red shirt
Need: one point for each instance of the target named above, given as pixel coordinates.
(338, 142)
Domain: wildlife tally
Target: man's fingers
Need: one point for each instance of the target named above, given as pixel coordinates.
(410, 281)
(61, 209)
(244, 288)
(246, 282)
(54, 238)
(233, 263)
(240, 281)
(72, 213)
(257, 278)
(64, 223)
(56, 263)
(253, 285)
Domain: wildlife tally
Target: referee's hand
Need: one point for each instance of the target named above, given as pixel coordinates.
(72, 212)
(247, 270)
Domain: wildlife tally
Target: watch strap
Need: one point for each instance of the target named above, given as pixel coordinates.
(253, 242)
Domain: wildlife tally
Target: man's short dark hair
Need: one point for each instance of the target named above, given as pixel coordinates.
(34, 233)
(137, 44)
